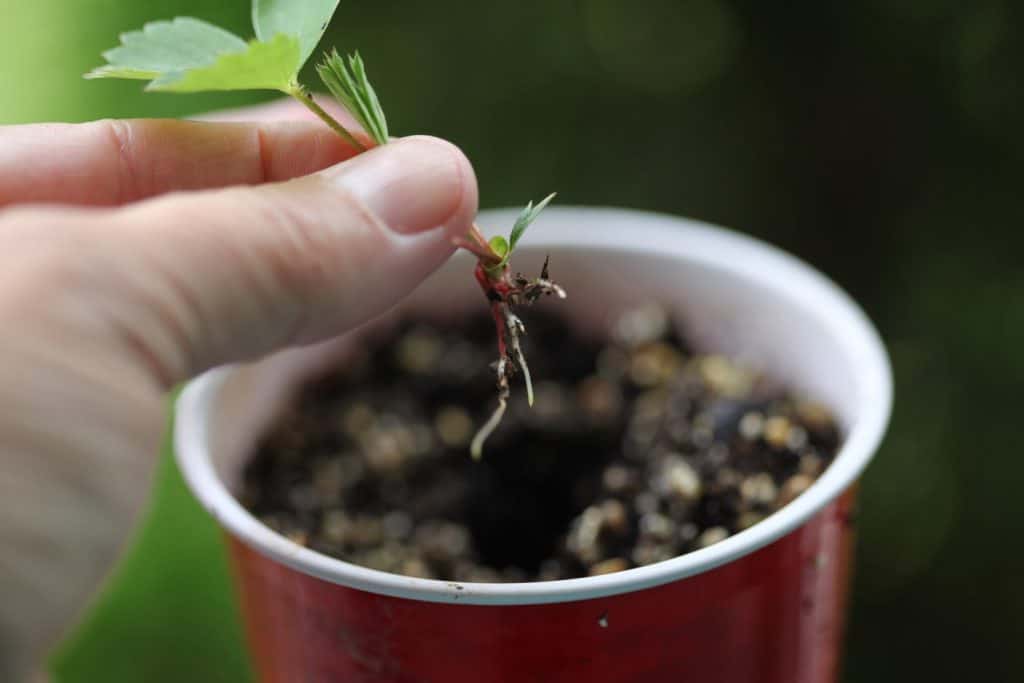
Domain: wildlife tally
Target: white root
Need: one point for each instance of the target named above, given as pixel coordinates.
(528, 292)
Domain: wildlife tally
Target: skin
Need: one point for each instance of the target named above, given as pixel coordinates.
(136, 254)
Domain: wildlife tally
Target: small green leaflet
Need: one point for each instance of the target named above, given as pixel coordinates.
(499, 245)
(190, 55)
(305, 19)
(503, 248)
(528, 215)
(350, 86)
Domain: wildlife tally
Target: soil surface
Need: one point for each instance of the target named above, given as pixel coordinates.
(635, 451)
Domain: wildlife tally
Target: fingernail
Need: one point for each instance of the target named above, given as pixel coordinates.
(413, 184)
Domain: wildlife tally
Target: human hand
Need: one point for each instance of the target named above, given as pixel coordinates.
(135, 254)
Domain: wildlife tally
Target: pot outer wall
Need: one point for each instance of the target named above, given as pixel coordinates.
(775, 615)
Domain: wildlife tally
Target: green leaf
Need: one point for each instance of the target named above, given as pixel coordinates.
(351, 87)
(305, 19)
(167, 46)
(499, 245)
(111, 71)
(528, 215)
(189, 55)
(270, 65)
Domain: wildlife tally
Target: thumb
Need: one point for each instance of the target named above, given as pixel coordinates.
(231, 274)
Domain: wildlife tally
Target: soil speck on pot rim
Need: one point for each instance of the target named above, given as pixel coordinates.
(636, 450)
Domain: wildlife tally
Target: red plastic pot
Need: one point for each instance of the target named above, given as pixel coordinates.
(764, 605)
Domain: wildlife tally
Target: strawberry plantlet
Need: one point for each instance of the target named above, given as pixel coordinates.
(191, 55)
(505, 291)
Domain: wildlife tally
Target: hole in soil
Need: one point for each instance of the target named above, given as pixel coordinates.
(523, 496)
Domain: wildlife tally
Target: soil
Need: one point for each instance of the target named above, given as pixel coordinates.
(635, 451)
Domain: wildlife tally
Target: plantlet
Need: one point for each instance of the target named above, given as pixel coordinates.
(191, 55)
(505, 291)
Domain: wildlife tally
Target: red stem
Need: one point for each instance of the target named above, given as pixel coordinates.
(499, 323)
(495, 291)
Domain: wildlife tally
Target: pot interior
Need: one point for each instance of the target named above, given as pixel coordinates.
(721, 305)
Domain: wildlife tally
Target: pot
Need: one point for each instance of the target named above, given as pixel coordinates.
(766, 604)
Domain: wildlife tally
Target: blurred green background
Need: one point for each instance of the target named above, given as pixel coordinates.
(880, 140)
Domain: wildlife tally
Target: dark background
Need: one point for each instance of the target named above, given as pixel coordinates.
(879, 140)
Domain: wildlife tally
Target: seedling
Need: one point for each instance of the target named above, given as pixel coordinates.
(505, 291)
(191, 55)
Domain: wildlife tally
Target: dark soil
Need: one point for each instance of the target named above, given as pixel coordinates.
(635, 451)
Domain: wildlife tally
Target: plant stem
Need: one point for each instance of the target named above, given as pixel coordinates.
(306, 97)
(475, 243)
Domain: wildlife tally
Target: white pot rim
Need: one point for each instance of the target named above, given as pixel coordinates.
(721, 248)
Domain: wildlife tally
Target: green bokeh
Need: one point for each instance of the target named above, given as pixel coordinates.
(879, 140)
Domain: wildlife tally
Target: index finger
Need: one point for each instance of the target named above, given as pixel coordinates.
(112, 162)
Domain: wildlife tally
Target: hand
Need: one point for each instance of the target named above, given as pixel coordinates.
(134, 255)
